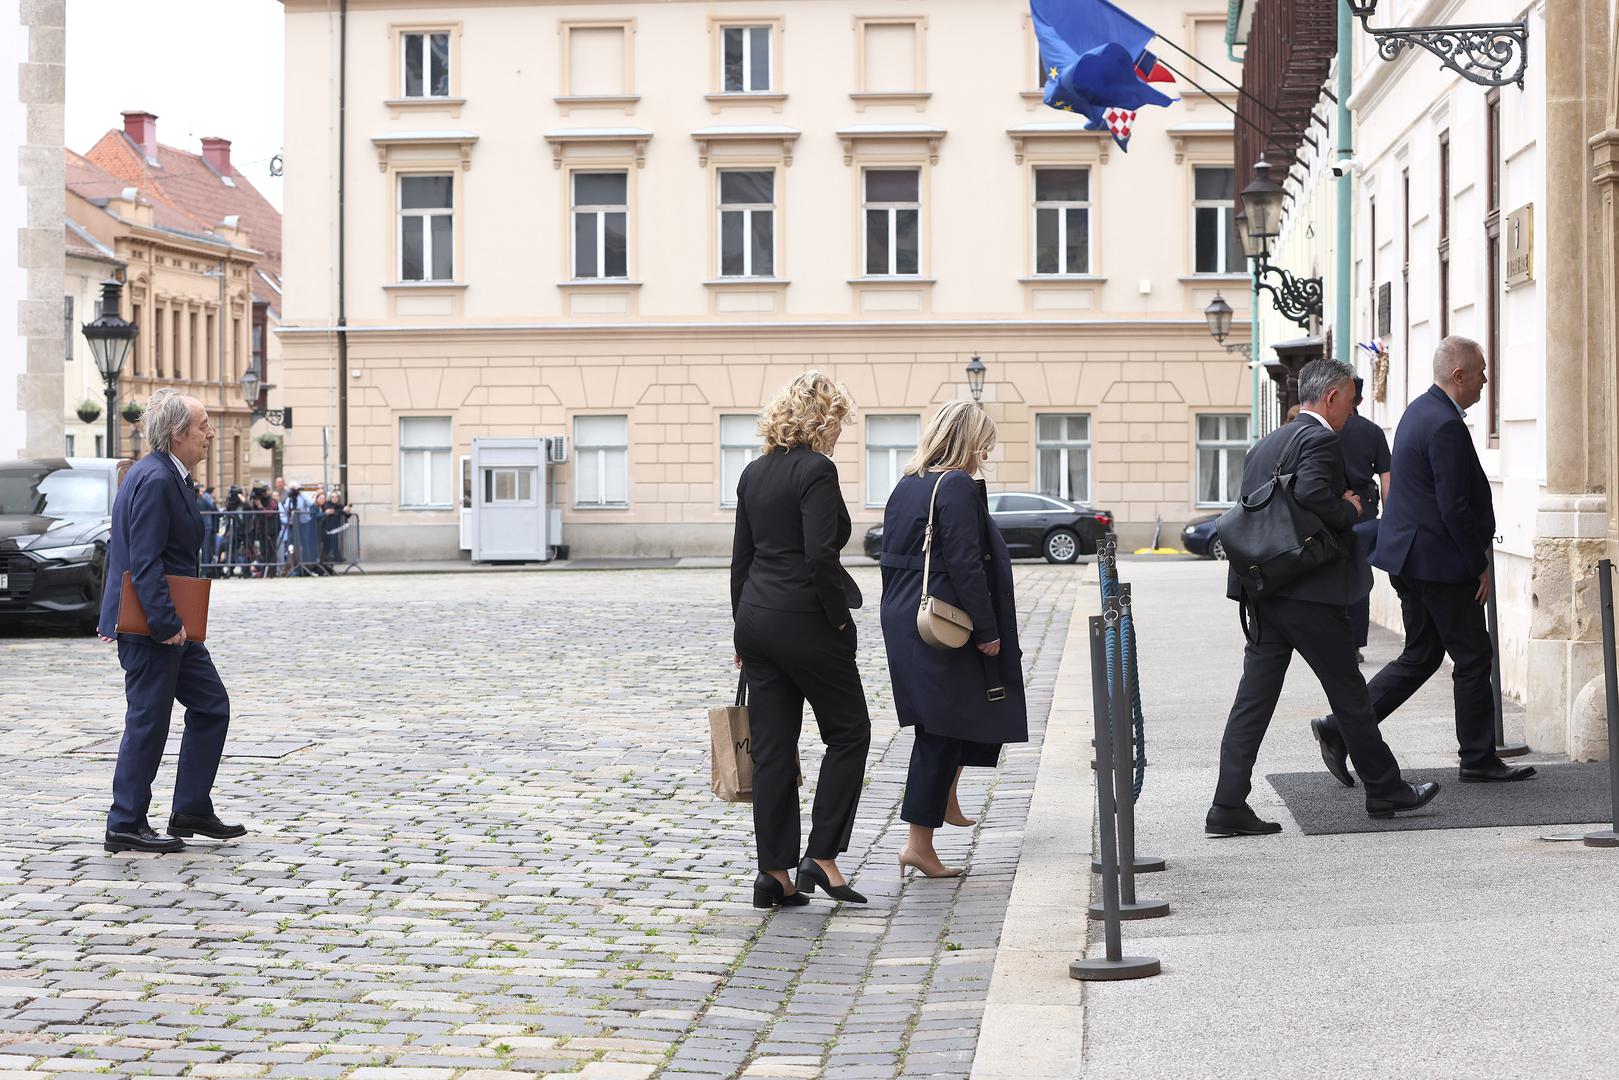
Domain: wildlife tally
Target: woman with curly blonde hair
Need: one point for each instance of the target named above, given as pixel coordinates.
(795, 639)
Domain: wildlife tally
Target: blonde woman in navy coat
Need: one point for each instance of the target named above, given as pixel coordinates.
(965, 703)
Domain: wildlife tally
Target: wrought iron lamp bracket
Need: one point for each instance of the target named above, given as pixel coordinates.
(1489, 54)
(1297, 299)
(273, 417)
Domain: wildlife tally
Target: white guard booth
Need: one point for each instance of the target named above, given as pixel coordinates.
(512, 516)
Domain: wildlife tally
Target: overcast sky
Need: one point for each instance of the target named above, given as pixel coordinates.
(205, 67)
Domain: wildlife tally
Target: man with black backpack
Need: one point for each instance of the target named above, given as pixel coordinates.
(1288, 543)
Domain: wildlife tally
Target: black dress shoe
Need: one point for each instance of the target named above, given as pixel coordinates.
(1333, 751)
(768, 892)
(1412, 797)
(205, 824)
(1237, 821)
(143, 839)
(810, 875)
(1496, 771)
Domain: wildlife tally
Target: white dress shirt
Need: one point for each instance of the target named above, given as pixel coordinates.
(1318, 416)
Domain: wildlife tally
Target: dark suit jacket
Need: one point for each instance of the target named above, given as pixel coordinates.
(1439, 521)
(156, 530)
(790, 526)
(1312, 453)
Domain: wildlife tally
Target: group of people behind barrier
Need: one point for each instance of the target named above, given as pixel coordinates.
(281, 530)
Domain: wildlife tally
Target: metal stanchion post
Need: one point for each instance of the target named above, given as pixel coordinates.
(1108, 571)
(1501, 747)
(1123, 737)
(1113, 964)
(1610, 678)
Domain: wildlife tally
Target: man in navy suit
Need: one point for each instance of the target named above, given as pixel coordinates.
(157, 531)
(1434, 542)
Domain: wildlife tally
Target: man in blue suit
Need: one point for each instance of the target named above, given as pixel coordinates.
(1434, 542)
(157, 531)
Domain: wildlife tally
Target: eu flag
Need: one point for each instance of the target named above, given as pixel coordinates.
(1089, 49)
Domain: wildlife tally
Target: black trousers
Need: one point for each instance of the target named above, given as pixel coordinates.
(934, 761)
(790, 657)
(1321, 634)
(1443, 617)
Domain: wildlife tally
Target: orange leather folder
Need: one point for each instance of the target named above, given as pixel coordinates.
(190, 596)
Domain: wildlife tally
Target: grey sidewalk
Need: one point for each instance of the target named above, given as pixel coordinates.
(1445, 953)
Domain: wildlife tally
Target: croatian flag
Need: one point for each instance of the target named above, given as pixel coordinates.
(1092, 53)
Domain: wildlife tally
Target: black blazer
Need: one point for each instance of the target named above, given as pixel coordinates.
(790, 526)
(1310, 451)
(1439, 522)
(156, 530)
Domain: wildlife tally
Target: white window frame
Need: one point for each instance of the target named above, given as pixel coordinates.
(747, 210)
(600, 212)
(747, 57)
(1064, 448)
(429, 454)
(891, 211)
(518, 473)
(594, 456)
(427, 37)
(1230, 473)
(750, 449)
(1222, 231)
(1062, 208)
(896, 454)
(427, 227)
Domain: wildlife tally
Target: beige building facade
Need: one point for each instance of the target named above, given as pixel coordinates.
(629, 224)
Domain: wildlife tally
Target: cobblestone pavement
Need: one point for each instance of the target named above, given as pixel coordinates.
(483, 847)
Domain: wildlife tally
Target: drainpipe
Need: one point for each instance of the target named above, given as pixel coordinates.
(342, 304)
(1343, 336)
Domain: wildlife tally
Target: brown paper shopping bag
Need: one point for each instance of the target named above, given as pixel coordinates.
(731, 772)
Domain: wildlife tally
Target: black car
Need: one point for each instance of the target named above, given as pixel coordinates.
(55, 518)
(1199, 538)
(1031, 525)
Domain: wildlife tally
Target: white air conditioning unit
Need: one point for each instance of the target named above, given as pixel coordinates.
(556, 449)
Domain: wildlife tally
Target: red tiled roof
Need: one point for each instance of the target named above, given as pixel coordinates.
(187, 194)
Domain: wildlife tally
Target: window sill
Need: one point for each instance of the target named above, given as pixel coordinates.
(602, 506)
(407, 285)
(1062, 279)
(917, 99)
(746, 283)
(599, 283)
(1233, 276)
(893, 279)
(399, 106)
(446, 508)
(774, 98)
(569, 102)
(1213, 506)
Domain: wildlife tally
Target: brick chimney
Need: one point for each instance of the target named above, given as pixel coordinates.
(141, 127)
(216, 152)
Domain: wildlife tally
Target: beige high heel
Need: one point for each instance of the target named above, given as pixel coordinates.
(906, 859)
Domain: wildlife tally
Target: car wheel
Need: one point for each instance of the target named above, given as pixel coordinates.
(1061, 546)
(98, 581)
(1217, 550)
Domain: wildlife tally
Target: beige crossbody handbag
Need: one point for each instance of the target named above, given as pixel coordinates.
(942, 625)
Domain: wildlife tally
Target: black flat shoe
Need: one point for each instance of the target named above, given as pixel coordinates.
(1413, 797)
(143, 839)
(810, 875)
(1496, 771)
(207, 825)
(1333, 751)
(1237, 821)
(768, 892)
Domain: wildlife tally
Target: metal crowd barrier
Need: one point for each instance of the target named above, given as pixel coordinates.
(275, 543)
(1114, 697)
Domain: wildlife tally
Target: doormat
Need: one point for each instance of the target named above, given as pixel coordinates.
(245, 748)
(1560, 793)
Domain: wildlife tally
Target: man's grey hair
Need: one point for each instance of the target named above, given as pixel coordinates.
(1320, 376)
(168, 413)
(1453, 352)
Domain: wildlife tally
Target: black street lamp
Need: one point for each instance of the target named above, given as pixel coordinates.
(1218, 314)
(110, 337)
(1297, 299)
(1489, 54)
(975, 377)
(252, 386)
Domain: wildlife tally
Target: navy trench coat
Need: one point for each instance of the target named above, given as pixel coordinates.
(945, 690)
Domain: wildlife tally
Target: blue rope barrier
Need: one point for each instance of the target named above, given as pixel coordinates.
(1117, 638)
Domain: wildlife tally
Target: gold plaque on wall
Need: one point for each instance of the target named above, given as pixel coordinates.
(1520, 238)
